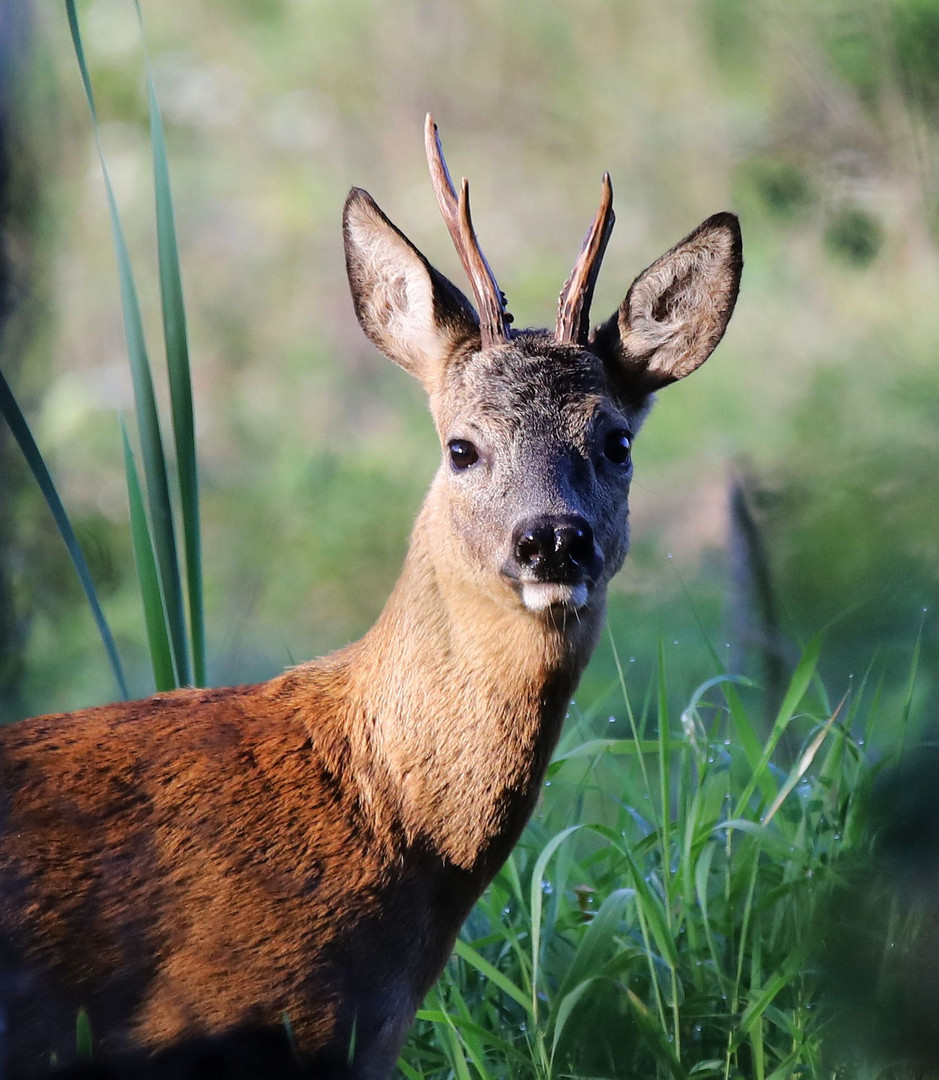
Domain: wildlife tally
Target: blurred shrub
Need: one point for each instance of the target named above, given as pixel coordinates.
(874, 47)
(854, 236)
(915, 25)
(781, 187)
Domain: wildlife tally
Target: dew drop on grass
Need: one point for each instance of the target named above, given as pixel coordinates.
(668, 555)
(632, 659)
(547, 888)
(547, 783)
(611, 720)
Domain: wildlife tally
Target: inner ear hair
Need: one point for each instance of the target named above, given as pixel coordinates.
(409, 310)
(677, 309)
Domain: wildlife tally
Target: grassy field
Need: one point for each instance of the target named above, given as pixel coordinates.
(681, 903)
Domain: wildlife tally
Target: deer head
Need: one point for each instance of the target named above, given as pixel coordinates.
(529, 507)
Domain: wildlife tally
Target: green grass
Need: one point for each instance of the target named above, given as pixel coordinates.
(663, 913)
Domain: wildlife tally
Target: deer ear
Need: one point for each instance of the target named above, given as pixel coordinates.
(406, 308)
(676, 311)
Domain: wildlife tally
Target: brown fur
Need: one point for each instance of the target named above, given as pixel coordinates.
(309, 846)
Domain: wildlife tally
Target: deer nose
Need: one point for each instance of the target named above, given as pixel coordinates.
(558, 548)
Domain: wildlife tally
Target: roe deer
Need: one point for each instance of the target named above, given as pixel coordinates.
(309, 847)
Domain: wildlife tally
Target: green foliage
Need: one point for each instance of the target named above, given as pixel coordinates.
(915, 26)
(781, 186)
(662, 914)
(854, 235)
(871, 45)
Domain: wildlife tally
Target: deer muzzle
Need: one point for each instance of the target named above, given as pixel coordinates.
(554, 561)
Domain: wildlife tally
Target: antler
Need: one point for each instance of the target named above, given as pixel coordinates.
(494, 320)
(573, 325)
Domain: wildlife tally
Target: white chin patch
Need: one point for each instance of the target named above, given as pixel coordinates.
(541, 595)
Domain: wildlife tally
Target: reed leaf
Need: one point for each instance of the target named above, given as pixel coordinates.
(161, 656)
(151, 440)
(13, 415)
(177, 364)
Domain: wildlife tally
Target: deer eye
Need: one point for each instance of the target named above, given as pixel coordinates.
(616, 447)
(463, 455)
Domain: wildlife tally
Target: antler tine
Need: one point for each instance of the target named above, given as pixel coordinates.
(494, 320)
(573, 325)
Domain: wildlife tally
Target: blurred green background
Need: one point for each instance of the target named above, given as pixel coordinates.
(788, 487)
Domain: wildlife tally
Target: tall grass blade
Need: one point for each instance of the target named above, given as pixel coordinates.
(798, 685)
(652, 910)
(911, 684)
(537, 900)
(177, 363)
(151, 440)
(161, 656)
(597, 944)
(566, 1006)
(470, 956)
(84, 1041)
(11, 412)
(802, 766)
(656, 1034)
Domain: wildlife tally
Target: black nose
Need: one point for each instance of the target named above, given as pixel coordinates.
(556, 548)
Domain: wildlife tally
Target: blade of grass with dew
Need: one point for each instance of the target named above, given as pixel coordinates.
(13, 415)
(652, 910)
(177, 364)
(161, 656)
(477, 1041)
(470, 956)
(762, 996)
(665, 779)
(536, 904)
(803, 764)
(453, 1043)
(617, 747)
(798, 685)
(151, 440)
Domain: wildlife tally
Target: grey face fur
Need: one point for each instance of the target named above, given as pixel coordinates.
(539, 416)
(535, 433)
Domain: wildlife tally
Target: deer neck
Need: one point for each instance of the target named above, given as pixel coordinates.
(465, 695)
